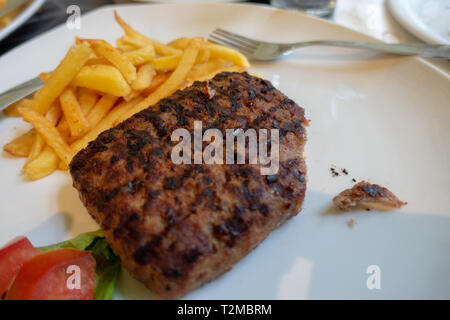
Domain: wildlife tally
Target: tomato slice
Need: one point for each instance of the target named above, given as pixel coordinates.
(48, 276)
(12, 257)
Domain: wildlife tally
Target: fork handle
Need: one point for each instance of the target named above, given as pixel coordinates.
(425, 50)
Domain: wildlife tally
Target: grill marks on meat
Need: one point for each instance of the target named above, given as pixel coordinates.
(368, 195)
(178, 226)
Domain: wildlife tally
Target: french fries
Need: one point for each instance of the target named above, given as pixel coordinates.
(173, 82)
(96, 86)
(11, 111)
(21, 146)
(87, 99)
(106, 79)
(78, 124)
(141, 55)
(61, 77)
(218, 51)
(144, 77)
(113, 55)
(48, 132)
(101, 109)
(43, 165)
(52, 116)
(166, 63)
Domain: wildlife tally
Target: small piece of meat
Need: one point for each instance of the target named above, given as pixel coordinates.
(176, 227)
(368, 195)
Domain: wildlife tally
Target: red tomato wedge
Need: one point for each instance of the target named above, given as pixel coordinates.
(53, 276)
(12, 257)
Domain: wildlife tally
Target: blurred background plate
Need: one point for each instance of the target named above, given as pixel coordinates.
(428, 20)
(180, 1)
(21, 18)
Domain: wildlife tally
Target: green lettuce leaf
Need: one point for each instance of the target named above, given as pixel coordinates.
(107, 266)
(81, 242)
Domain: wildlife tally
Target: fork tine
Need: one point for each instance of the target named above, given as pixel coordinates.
(230, 44)
(236, 36)
(225, 35)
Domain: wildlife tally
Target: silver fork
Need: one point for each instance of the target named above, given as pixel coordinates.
(261, 50)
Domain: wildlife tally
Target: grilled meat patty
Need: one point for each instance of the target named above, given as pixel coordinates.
(176, 227)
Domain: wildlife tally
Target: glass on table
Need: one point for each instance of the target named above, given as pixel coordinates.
(320, 8)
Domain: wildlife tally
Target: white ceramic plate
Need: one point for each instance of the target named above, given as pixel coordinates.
(383, 118)
(21, 18)
(428, 20)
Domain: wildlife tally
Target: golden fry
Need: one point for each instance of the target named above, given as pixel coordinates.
(21, 146)
(43, 165)
(157, 80)
(44, 76)
(36, 148)
(11, 111)
(53, 115)
(67, 69)
(100, 109)
(166, 63)
(48, 132)
(200, 70)
(180, 43)
(113, 55)
(136, 43)
(203, 55)
(97, 60)
(141, 55)
(102, 78)
(218, 51)
(87, 99)
(75, 117)
(144, 77)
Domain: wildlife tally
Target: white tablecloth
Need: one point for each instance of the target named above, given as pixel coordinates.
(373, 18)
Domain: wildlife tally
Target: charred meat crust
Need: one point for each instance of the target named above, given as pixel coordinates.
(178, 226)
(370, 195)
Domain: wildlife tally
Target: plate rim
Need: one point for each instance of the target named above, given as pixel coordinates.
(21, 19)
(404, 15)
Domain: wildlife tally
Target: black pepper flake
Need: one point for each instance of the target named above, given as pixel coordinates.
(344, 171)
(333, 171)
(353, 180)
